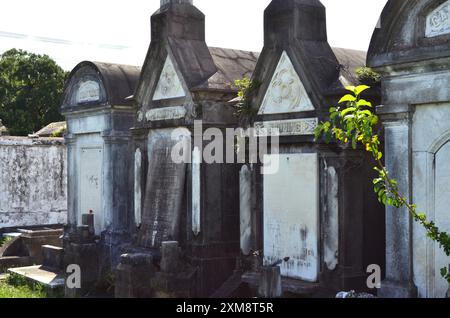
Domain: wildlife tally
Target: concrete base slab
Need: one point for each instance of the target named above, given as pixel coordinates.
(40, 274)
(301, 288)
(396, 290)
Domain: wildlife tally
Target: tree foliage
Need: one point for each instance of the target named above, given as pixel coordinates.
(31, 88)
(353, 123)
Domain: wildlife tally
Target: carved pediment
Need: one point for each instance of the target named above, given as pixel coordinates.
(169, 85)
(286, 92)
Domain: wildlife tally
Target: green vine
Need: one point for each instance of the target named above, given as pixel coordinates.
(355, 124)
(245, 87)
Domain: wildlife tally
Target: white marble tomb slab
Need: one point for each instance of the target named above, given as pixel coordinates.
(291, 216)
(438, 21)
(286, 93)
(88, 91)
(166, 113)
(169, 84)
(91, 162)
(290, 127)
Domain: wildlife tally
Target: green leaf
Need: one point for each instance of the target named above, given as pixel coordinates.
(347, 98)
(334, 115)
(374, 120)
(366, 112)
(444, 271)
(350, 88)
(363, 102)
(359, 89)
(347, 111)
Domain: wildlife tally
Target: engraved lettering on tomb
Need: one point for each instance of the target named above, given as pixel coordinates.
(438, 21)
(293, 127)
(88, 91)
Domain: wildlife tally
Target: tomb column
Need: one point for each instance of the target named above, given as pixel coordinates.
(399, 224)
(118, 193)
(72, 205)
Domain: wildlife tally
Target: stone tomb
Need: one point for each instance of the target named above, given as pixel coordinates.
(316, 216)
(99, 117)
(411, 51)
(188, 207)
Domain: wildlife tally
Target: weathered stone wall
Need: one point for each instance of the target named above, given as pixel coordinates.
(33, 181)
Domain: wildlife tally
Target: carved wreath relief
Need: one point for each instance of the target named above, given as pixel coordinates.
(438, 21)
(286, 93)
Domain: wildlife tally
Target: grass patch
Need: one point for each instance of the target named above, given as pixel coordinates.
(8, 290)
(16, 286)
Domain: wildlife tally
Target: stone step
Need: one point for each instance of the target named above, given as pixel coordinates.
(45, 276)
(229, 287)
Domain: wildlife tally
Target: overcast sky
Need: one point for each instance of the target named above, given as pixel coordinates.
(118, 31)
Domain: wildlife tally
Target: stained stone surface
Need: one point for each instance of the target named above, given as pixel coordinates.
(137, 187)
(291, 216)
(91, 179)
(85, 85)
(431, 152)
(286, 93)
(438, 21)
(39, 274)
(169, 85)
(407, 57)
(291, 127)
(164, 191)
(245, 192)
(331, 221)
(196, 191)
(166, 113)
(33, 181)
(164, 2)
(88, 91)
(442, 218)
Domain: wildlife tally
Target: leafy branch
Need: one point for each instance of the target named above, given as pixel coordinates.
(355, 125)
(245, 87)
